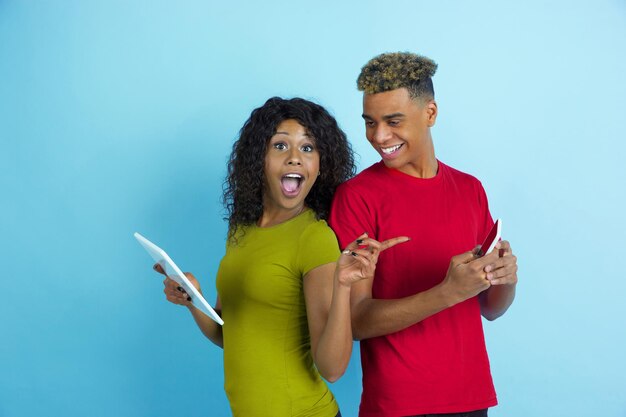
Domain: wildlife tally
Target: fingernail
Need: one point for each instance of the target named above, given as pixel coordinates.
(188, 298)
(154, 267)
(359, 241)
(179, 289)
(355, 254)
(346, 252)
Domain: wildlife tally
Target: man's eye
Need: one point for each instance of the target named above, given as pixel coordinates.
(280, 146)
(394, 122)
(369, 124)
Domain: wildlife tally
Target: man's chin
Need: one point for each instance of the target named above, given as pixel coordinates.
(392, 163)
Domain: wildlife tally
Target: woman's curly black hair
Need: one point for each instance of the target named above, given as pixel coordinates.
(243, 186)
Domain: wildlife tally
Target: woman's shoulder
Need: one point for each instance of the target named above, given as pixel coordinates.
(316, 232)
(315, 228)
(317, 245)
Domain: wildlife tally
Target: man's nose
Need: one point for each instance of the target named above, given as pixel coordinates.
(381, 133)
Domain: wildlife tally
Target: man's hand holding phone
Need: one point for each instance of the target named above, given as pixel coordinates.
(504, 269)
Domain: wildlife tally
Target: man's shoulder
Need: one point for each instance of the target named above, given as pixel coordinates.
(459, 175)
(366, 178)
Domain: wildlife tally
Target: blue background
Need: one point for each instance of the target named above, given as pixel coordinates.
(119, 116)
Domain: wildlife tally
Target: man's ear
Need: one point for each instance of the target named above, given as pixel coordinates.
(431, 111)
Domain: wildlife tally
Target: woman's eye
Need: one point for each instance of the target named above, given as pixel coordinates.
(280, 146)
(307, 148)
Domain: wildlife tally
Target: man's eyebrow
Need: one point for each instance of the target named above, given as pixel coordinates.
(386, 117)
(394, 116)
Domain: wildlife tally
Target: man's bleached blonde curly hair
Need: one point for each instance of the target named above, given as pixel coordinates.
(390, 71)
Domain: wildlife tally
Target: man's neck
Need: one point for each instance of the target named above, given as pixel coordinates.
(422, 168)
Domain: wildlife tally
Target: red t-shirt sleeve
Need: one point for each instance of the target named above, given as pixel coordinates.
(349, 216)
(486, 222)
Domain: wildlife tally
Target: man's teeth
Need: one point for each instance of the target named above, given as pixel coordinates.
(390, 150)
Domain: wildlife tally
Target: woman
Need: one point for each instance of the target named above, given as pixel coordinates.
(283, 285)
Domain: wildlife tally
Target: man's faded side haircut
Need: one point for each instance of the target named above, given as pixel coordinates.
(390, 71)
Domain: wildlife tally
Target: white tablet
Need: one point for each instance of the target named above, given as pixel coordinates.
(173, 272)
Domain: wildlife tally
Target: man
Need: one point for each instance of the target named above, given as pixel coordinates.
(419, 318)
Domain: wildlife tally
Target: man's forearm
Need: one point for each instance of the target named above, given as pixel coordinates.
(378, 317)
(496, 300)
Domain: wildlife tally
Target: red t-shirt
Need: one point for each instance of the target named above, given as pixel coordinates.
(440, 364)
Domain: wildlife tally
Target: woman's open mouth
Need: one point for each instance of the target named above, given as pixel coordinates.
(290, 184)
